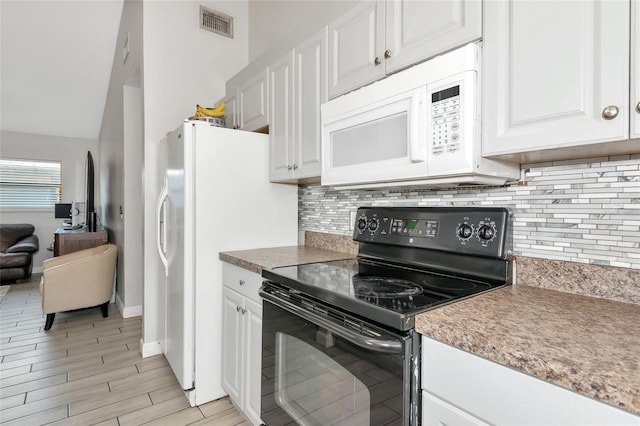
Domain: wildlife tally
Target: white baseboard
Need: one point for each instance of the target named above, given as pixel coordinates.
(128, 311)
(150, 348)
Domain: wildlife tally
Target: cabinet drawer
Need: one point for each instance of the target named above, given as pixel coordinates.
(245, 282)
(436, 412)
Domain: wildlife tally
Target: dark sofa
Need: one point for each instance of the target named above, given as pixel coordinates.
(17, 245)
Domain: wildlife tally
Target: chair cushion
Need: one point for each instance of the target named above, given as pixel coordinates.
(14, 260)
(11, 233)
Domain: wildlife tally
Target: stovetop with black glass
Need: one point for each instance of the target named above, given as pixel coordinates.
(410, 260)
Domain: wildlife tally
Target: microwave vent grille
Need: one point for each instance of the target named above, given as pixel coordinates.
(216, 22)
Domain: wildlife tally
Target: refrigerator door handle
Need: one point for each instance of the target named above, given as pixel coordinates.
(161, 229)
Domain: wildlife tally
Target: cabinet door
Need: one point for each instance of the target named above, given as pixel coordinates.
(253, 360)
(281, 126)
(231, 343)
(417, 30)
(310, 92)
(356, 48)
(550, 69)
(252, 100)
(231, 117)
(635, 69)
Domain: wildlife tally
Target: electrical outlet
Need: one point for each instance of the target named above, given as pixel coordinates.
(352, 220)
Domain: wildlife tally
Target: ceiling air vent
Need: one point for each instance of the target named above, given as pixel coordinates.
(216, 22)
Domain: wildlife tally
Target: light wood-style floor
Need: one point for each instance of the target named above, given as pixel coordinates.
(88, 370)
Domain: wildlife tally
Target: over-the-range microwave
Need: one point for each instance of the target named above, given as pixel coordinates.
(420, 126)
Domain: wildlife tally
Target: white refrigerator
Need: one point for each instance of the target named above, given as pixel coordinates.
(216, 197)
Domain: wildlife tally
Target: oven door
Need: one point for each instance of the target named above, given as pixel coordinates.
(316, 371)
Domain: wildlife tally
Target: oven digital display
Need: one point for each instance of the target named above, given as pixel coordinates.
(426, 228)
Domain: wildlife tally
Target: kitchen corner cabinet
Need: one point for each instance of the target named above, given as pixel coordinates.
(556, 79)
(247, 99)
(380, 37)
(297, 88)
(231, 116)
(242, 339)
(464, 389)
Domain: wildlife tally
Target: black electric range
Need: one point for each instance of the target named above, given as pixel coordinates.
(338, 340)
(410, 260)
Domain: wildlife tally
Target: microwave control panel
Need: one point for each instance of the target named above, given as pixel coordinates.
(446, 130)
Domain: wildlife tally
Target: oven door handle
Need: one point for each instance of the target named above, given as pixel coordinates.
(371, 343)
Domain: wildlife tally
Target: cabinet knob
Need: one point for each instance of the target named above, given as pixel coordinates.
(638, 107)
(610, 112)
(376, 61)
(387, 54)
(295, 166)
(238, 308)
(244, 311)
(241, 282)
(289, 167)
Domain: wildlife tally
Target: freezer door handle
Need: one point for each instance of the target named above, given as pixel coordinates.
(161, 228)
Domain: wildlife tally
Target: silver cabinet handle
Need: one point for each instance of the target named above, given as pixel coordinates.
(376, 61)
(387, 54)
(288, 166)
(638, 107)
(244, 311)
(241, 282)
(238, 308)
(295, 166)
(610, 112)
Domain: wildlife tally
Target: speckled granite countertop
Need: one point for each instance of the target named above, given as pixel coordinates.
(587, 344)
(259, 259)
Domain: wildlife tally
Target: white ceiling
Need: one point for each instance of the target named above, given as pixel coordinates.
(56, 59)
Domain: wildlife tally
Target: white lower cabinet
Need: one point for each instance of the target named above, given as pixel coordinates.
(459, 388)
(242, 339)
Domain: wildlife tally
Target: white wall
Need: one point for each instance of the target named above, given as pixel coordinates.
(183, 66)
(121, 161)
(276, 21)
(72, 153)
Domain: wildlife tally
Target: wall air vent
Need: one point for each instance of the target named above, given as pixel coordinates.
(216, 22)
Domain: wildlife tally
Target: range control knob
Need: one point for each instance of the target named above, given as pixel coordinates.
(373, 224)
(464, 231)
(486, 233)
(362, 224)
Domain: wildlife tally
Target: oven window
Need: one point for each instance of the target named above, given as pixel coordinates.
(314, 389)
(311, 376)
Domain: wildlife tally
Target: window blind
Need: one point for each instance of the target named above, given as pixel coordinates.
(30, 184)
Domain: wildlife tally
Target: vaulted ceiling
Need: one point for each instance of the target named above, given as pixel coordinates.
(56, 59)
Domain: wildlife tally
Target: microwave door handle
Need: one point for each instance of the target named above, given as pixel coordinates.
(417, 135)
(370, 343)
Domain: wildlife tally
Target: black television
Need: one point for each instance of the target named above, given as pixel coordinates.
(90, 218)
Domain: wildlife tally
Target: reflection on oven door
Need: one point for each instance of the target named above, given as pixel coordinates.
(314, 389)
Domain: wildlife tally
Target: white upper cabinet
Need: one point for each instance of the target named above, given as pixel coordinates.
(416, 30)
(556, 75)
(377, 37)
(297, 87)
(252, 101)
(231, 116)
(356, 40)
(635, 69)
(281, 126)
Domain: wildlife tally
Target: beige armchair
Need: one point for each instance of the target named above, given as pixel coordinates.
(81, 279)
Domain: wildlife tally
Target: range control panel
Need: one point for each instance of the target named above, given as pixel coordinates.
(468, 230)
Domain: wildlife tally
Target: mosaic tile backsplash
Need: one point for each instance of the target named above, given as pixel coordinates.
(584, 211)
